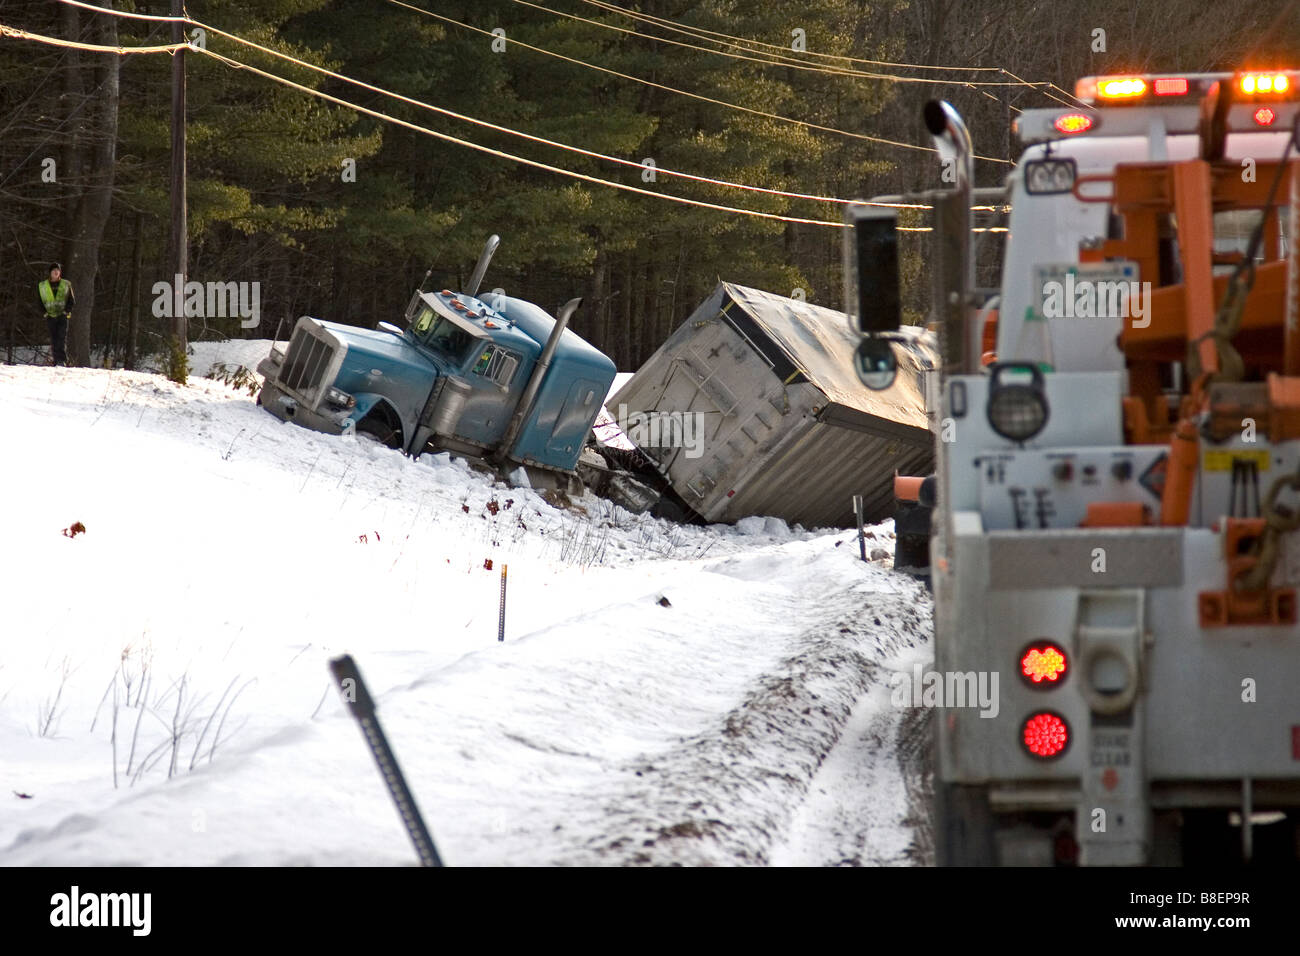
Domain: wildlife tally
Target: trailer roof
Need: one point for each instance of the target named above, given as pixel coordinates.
(813, 343)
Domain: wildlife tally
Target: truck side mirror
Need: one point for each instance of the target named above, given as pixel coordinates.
(871, 297)
(875, 363)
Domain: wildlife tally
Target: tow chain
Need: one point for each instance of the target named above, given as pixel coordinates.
(1278, 520)
(1227, 323)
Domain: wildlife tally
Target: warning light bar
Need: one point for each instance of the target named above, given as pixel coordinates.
(1121, 90)
(1127, 104)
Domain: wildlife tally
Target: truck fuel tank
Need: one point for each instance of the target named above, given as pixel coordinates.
(453, 395)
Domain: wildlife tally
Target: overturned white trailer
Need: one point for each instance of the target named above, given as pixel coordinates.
(752, 407)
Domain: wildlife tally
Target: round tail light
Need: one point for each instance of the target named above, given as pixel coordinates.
(1045, 735)
(1043, 664)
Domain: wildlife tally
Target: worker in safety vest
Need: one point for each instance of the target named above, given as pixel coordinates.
(57, 301)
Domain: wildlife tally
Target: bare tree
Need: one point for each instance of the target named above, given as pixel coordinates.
(90, 161)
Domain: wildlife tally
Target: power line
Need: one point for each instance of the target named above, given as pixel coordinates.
(92, 47)
(235, 64)
(680, 92)
(501, 154)
(591, 154)
(789, 62)
(697, 31)
(528, 136)
(783, 58)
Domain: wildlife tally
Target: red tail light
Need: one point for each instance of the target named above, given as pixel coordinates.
(1043, 664)
(1171, 86)
(1265, 116)
(1070, 123)
(1045, 735)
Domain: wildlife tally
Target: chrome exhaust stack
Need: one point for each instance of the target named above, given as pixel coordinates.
(480, 268)
(955, 272)
(525, 406)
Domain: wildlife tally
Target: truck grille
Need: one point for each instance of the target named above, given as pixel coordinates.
(306, 363)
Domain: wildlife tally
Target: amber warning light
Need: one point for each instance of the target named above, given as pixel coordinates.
(1043, 664)
(1252, 83)
(1121, 88)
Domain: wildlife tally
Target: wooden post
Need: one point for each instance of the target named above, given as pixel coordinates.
(862, 541)
(179, 260)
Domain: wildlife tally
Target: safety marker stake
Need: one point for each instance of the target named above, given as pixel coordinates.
(862, 538)
(501, 621)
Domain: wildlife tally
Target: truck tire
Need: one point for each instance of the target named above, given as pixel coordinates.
(963, 826)
(382, 425)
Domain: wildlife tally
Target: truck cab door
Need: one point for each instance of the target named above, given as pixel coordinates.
(497, 380)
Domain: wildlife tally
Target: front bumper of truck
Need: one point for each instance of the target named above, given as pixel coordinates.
(299, 382)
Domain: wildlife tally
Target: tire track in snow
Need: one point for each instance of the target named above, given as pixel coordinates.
(867, 806)
(730, 793)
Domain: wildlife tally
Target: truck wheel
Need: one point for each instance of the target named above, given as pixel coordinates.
(963, 826)
(380, 426)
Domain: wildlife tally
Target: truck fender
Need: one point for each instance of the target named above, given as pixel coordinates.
(368, 402)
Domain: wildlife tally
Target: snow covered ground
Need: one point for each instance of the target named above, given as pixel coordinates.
(664, 694)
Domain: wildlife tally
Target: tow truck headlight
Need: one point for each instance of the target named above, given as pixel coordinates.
(1016, 410)
(338, 397)
(1047, 176)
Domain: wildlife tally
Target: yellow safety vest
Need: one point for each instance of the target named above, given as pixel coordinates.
(54, 301)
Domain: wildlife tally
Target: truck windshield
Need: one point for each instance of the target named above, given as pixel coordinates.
(438, 333)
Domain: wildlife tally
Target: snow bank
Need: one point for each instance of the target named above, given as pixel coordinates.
(227, 557)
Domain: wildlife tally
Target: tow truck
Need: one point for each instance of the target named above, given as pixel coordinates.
(1115, 509)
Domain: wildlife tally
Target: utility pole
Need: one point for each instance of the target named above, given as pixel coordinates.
(179, 257)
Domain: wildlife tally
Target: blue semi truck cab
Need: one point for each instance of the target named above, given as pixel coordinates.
(493, 378)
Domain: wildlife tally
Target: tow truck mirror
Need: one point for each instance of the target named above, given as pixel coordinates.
(871, 298)
(875, 363)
